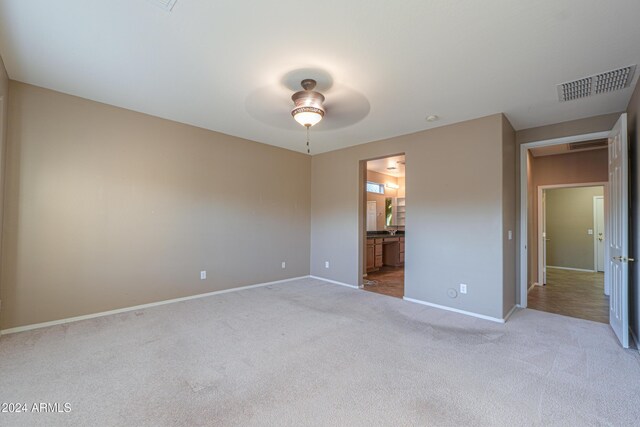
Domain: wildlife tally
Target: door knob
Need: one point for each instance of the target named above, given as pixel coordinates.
(622, 259)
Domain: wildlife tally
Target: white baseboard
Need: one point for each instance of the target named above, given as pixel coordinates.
(571, 268)
(139, 307)
(455, 310)
(334, 282)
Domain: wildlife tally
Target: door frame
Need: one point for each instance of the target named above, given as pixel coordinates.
(539, 236)
(524, 214)
(595, 234)
(362, 214)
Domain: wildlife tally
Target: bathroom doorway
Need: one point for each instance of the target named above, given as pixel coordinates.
(385, 190)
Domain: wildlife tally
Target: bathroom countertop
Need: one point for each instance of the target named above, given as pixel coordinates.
(383, 234)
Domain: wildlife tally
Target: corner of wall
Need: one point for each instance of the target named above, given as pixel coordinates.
(509, 281)
(4, 101)
(633, 123)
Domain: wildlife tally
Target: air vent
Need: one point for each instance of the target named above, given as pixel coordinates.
(588, 145)
(599, 83)
(164, 4)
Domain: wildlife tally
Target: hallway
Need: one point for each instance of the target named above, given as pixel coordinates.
(572, 293)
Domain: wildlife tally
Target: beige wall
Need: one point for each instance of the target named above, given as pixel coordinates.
(570, 128)
(379, 198)
(402, 189)
(532, 213)
(4, 92)
(508, 215)
(108, 208)
(571, 168)
(569, 217)
(455, 217)
(633, 111)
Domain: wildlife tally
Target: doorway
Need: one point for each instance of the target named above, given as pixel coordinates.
(616, 209)
(571, 242)
(384, 240)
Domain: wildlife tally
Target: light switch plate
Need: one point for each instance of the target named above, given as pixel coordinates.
(590, 231)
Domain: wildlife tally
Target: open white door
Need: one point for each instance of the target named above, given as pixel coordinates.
(545, 239)
(619, 231)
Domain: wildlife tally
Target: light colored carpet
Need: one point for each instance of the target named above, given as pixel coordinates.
(312, 353)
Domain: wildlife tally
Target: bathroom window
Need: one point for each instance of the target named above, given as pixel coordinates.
(374, 187)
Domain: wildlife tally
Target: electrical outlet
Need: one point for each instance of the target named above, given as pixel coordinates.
(203, 275)
(326, 264)
(510, 233)
(284, 264)
(463, 288)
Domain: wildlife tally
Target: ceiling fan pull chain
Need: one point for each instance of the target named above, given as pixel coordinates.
(308, 149)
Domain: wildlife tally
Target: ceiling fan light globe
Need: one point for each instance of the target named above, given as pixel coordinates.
(307, 116)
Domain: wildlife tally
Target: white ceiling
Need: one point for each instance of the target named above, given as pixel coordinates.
(232, 65)
(381, 165)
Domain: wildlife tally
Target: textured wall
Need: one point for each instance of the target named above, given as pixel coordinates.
(4, 92)
(108, 208)
(454, 222)
(508, 215)
(569, 216)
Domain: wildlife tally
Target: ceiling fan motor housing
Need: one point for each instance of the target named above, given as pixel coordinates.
(308, 101)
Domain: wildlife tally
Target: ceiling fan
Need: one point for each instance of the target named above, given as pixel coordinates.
(301, 93)
(308, 109)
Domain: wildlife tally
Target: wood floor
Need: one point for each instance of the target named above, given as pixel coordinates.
(572, 293)
(388, 281)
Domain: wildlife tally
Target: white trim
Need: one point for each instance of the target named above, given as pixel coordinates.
(541, 228)
(334, 282)
(139, 307)
(455, 310)
(533, 286)
(595, 226)
(523, 198)
(571, 268)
